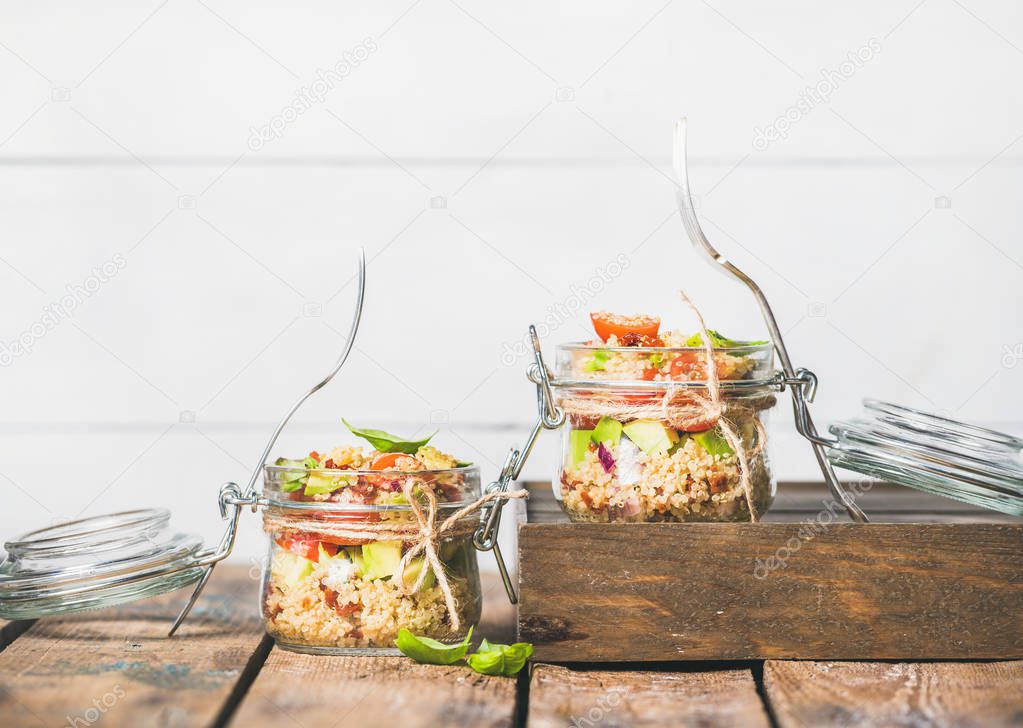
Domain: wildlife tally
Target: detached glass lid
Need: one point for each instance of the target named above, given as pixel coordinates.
(932, 453)
(96, 562)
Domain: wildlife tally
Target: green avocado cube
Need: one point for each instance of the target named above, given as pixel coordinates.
(355, 554)
(380, 558)
(608, 431)
(412, 571)
(320, 483)
(578, 444)
(290, 569)
(651, 436)
(713, 442)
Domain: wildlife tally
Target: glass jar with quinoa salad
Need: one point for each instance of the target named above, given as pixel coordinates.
(650, 437)
(348, 564)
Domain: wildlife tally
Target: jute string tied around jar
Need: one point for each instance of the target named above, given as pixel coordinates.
(691, 411)
(424, 532)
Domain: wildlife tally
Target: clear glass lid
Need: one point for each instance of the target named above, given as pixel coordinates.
(932, 453)
(96, 562)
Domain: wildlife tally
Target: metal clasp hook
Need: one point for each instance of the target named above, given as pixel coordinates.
(549, 417)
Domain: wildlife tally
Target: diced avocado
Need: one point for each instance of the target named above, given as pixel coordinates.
(380, 558)
(578, 444)
(415, 566)
(325, 555)
(596, 364)
(290, 477)
(608, 431)
(355, 554)
(320, 483)
(713, 442)
(651, 436)
(289, 569)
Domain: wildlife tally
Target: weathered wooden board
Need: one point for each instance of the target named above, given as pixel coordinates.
(559, 696)
(308, 690)
(935, 694)
(599, 592)
(119, 667)
(9, 631)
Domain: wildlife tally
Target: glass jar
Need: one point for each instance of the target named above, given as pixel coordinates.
(335, 582)
(644, 440)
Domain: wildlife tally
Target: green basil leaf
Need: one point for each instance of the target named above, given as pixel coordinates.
(386, 442)
(504, 660)
(463, 463)
(719, 341)
(430, 651)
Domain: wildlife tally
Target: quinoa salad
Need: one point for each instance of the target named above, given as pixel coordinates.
(634, 348)
(632, 453)
(341, 591)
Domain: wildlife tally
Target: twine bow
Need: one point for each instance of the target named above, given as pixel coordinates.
(713, 409)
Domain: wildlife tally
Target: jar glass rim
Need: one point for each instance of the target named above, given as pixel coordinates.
(744, 349)
(463, 470)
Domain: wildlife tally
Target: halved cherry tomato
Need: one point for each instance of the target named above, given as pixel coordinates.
(683, 363)
(308, 547)
(387, 461)
(608, 324)
(649, 373)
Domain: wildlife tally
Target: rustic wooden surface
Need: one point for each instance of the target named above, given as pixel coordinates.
(561, 696)
(895, 694)
(309, 690)
(220, 670)
(119, 666)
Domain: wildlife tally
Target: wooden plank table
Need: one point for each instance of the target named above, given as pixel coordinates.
(117, 667)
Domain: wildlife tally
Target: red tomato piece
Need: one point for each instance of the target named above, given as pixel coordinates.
(308, 547)
(608, 324)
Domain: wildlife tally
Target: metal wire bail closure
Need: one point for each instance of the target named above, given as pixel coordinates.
(802, 382)
(549, 417)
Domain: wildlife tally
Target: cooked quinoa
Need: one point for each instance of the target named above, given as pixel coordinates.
(320, 611)
(686, 484)
(601, 363)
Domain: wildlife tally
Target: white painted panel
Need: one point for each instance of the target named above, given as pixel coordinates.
(185, 78)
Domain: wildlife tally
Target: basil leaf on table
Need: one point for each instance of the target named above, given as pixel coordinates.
(504, 660)
(386, 442)
(430, 651)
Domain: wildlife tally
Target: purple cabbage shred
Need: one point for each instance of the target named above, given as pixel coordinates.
(607, 460)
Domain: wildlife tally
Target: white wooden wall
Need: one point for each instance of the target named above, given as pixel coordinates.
(492, 158)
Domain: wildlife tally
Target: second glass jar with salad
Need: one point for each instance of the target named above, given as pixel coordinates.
(649, 437)
(348, 565)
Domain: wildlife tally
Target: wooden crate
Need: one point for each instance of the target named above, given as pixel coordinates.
(928, 579)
